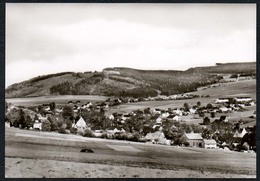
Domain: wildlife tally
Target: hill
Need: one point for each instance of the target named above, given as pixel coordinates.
(229, 68)
(120, 81)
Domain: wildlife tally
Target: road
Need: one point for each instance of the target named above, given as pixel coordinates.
(54, 146)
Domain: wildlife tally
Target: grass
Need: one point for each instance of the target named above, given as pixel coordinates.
(242, 87)
(62, 100)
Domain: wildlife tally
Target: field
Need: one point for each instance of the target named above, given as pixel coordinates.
(41, 154)
(247, 87)
(57, 99)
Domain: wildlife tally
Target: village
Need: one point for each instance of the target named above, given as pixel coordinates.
(151, 126)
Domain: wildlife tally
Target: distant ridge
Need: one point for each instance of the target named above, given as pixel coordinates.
(123, 81)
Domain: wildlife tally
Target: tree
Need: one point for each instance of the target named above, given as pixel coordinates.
(206, 121)
(186, 106)
(46, 125)
(207, 133)
(209, 106)
(67, 113)
(198, 103)
(14, 116)
(212, 114)
(68, 123)
(28, 121)
(52, 106)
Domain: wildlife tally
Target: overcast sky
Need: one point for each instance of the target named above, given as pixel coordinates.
(51, 38)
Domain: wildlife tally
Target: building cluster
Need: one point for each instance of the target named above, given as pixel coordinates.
(157, 118)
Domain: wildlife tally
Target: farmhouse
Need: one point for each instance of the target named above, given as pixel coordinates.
(210, 143)
(194, 139)
(157, 137)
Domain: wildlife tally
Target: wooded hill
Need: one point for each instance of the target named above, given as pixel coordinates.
(127, 82)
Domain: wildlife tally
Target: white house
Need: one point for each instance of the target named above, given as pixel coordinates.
(37, 125)
(165, 115)
(178, 112)
(243, 99)
(210, 143)
(157, 137)
(159, 120)
(192, 111)
(81, 123)
(111, 117)
(223, 109)
(240, 135)
(176, 118)
(222, 100)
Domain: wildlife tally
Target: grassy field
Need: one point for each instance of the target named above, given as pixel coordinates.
(53, 146)
(247, 87)
(56, 99)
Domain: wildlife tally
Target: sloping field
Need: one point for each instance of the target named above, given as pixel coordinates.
(246, 87)
(57, 99)
(28, 147)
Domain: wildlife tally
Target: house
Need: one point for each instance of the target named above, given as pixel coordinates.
(37, 125)
(192, 110)
(238, 134)
(194, 139)
(113, 130)
(111, 117)
(223, 119)
(7, 124)
(159, 120)
(80, 123)
(221, 100)
(223, 109)
(165, 115)
(176, 118)
(210, 143)
(177, 111)
(243, 99)
(157, 137)
(97, 131)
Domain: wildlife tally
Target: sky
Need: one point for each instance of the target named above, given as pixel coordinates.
(44, 38)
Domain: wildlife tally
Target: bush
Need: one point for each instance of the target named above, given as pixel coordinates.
(104, 135)
(186, 144)
(88, 133)
(120, 136)
(134, 137)
(62, 130)
(46, 126)
(73, 130)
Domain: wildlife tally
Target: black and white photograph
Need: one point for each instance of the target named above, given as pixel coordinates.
(130, 90)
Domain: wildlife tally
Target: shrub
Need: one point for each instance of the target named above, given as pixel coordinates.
(120, 136)
(88, 133)
(104, 135)
(134, 137)
(62, 130)
(46, 125)
(73, 130)
(186, 144)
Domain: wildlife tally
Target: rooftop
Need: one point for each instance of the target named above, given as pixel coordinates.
(193, 136)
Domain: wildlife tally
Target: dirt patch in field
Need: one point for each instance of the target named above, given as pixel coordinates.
(33, 168)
